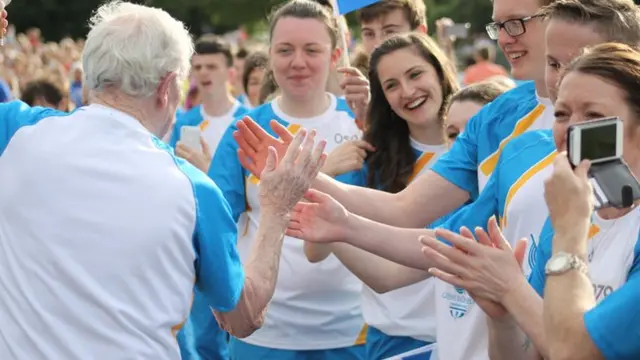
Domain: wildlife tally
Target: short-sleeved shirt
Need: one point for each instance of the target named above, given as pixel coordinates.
(315, 306)
(96, 256)
(614, 269)
(475, 153)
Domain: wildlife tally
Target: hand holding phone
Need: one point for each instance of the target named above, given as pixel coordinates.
(598, 141)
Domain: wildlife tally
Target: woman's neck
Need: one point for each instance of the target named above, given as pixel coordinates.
(429, 134)
(304, 108)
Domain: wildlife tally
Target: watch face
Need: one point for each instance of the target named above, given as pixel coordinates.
(557, 264)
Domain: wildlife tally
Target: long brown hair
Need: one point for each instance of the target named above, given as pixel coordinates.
(391, 165)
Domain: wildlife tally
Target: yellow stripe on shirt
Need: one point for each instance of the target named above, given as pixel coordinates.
(489, 164)
(204, 125)
(422, 161)
(548, 160)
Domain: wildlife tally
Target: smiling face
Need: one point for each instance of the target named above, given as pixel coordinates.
(411, 86)
(525, 52)
(301, 56)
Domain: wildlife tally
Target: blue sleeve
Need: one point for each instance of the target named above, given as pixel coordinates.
(477, 213)
(460, 164)
(537, 277)
(16, 114)
(613, 324)
(227, 172)
(219, 272)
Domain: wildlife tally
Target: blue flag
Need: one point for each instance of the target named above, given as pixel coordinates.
(347, 6)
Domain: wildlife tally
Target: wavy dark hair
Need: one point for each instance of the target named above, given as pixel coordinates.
(391, 165)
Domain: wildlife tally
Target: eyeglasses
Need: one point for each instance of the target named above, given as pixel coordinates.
(513, 27)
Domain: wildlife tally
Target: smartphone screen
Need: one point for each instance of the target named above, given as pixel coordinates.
(599, 142)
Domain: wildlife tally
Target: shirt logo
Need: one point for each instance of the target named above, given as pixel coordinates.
(459, 302)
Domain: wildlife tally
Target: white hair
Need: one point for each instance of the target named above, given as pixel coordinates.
(132, 47)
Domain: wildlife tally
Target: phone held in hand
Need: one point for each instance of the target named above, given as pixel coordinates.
(598, 141)
(190, 136)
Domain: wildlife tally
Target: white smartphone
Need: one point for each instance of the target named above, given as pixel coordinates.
(190, 136)
(460, 31)
(598, 141)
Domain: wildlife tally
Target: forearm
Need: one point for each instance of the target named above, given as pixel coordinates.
(507, 341)
(567, 298)
(380, 274)
(362, 201)
(399, 245)
(525, 308)
(261, 272)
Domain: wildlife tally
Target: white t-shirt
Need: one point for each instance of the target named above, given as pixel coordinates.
(315, 306)
(97, 258)
(409, 311)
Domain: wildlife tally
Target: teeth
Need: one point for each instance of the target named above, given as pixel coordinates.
(416, 103)
(516, 55)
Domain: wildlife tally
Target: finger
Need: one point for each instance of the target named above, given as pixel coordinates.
(561, 164)
(304, 158)
(582, 171)
(496, 236)
(294, 149)
(294, 224)
(365, 145)
(244, 145)
(248, 136)
(247, 163)
(464, 231)
(360, 88)
(272, 159)
(316, 158)
(482, 237)
(350, 71)
(521, 247)
(283, 133)
(440, 261)
(205, 147)
(356, 99)
(298, 234)
(315, 196)
(362, 154)
(461, 242)
(255, 130)
(448, 278)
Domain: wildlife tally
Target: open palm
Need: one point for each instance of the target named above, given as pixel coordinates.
(320, 220)
(254, 143)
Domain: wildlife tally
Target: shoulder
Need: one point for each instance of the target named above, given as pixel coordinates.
(538, 142)
(262, 114)
(241, 111)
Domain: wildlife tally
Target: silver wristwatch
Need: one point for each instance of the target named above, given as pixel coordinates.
(562, 262)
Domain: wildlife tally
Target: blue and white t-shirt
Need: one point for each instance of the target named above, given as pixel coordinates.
(614, 270)
(315, 306)
(96, 257)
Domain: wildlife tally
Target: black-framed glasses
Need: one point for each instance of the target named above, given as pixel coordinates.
(513, 27)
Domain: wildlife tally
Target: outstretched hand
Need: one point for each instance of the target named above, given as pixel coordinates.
(283, 183)
(254, 143)
(320, 220)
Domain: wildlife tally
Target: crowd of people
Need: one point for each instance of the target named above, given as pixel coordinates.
(164, 198)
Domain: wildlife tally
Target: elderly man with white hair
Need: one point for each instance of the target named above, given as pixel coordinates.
(103, 231)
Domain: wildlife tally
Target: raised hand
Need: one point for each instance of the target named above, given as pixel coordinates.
(254, 143)
(199, 159)
(284, 183)
(320, 220)
(347, 157)
(356, 91)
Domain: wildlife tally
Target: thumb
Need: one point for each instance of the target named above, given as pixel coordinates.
(521, 247)
(205, 147)
(582, 170)
(272, 159)
(316, 196)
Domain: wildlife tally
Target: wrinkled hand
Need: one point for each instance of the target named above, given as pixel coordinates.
(283, 184)
(320, 220)
(356, 92)
(254, 143)
(568, 194)
(199, 159)
(347, 157)
(487, 268)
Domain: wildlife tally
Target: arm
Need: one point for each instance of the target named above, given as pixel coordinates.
(412, 207)
(567, 298)
(260, 281)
